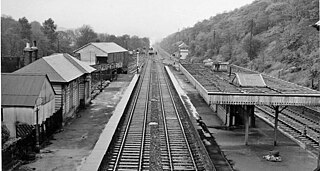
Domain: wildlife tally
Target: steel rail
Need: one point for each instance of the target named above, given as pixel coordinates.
(128, 124)
(292, 127)
(180, 123)
(144, 125)
(165, 125)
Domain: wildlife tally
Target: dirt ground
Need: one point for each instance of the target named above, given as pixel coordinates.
(69, 148)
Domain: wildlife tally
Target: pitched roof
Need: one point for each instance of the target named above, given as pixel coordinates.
(21, 89)
(83, 66)
(250, 80)
(107, 47)
(183, 45)
(59, 67)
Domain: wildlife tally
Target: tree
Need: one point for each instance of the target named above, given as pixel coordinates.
(11, 42)
(252, 46)
(85, 35)
(64, 42)
(49, 29)
(25, 28)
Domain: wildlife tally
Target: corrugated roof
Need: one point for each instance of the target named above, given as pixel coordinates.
(59, 67)
(21, 89)
(108, 47)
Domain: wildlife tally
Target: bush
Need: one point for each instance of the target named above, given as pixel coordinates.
(5, 133)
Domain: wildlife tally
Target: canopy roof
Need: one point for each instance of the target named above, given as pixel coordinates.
(220, 88)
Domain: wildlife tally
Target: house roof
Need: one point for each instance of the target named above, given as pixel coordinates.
(21, 89)
(59, 67)
(183, 45)
(107, 47)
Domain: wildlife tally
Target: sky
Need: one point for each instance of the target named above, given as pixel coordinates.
(155, 19)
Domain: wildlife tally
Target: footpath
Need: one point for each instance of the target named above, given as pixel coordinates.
(68, 149)
(231, 141)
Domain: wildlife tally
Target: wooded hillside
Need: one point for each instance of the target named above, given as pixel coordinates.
(271, 36)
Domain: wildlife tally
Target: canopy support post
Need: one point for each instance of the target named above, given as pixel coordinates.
(277, 111)
(246, 120)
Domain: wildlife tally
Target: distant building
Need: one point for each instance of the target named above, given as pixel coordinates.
(19, 93)
(103, 54)
(183, 51)
(70, 78)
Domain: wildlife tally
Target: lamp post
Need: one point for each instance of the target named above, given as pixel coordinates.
(100, 76)
(38, 103)
(137, 62)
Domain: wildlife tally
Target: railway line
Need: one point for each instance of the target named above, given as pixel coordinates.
(155, 132)
(299, 125)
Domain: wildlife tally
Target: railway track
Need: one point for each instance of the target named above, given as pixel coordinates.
(294, 123)
(153, 135)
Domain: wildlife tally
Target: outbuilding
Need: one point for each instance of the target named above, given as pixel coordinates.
(104, 55)
(70, 78)
(26, 99)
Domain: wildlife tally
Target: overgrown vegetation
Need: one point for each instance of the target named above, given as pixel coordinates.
(271, 36)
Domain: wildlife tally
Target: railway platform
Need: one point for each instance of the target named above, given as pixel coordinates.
(70, 148)
(250, 157)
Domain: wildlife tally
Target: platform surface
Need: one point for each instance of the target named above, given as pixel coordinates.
(249, 158)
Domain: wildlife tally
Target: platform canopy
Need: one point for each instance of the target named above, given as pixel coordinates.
(240, 86)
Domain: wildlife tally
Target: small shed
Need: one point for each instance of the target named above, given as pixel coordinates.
(19, 94)
(70, 78)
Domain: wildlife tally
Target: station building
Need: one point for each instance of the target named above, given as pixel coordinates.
(70, 79)
(25, 99)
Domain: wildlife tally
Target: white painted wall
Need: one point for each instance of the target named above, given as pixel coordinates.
(26, 115)
(88, 54)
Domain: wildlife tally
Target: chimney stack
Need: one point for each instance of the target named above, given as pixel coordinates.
(35, 49)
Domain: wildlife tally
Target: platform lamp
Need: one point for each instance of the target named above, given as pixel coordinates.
(37, 105)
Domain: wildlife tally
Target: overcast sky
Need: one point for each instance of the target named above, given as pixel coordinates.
(146, 18)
